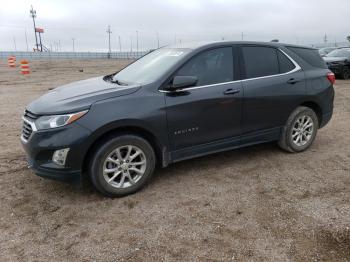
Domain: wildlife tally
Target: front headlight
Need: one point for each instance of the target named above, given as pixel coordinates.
(47, 122)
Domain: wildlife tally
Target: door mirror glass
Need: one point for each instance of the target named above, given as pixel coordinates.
(183, 82)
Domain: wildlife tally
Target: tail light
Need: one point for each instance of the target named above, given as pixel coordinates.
(331, 77)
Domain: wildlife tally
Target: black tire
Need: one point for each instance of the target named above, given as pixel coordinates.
(286, 141)
(97, 165)
(346, 73)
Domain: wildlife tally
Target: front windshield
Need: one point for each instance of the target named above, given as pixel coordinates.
(339, 53)
(150, 67)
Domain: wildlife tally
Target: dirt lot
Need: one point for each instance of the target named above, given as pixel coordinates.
(255, 204)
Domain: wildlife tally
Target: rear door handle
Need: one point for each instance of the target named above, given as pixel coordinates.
(231, 91)
(293, 81)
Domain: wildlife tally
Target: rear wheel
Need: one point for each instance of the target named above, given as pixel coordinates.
(122, 165)
(300, 130)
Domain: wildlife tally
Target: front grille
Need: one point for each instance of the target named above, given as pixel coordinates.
(30, 116)
(27, 128)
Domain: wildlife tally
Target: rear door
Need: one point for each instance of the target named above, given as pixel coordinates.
(210, 110)
(273, 87)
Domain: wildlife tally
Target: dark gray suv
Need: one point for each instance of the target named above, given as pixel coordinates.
(174, 104)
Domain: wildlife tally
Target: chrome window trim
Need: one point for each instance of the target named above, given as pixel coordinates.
(296, 69)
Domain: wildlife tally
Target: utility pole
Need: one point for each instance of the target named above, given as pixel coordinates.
(25, 34)
(41, 45)
(120, 43)
(109, 40)
(73, 44)
(14, 42)
(130, 43)
(158, 39)
(33, 15)
(137, 41)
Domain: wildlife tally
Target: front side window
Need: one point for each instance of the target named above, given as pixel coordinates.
(260, 61)
(210, 67)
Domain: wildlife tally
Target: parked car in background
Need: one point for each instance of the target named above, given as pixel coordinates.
(325, 50)
(339, 62)
(175, 104)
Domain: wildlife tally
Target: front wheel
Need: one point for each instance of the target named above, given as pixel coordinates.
(300, 130)
(122, 165)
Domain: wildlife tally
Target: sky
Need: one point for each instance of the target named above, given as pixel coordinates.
(171, 21)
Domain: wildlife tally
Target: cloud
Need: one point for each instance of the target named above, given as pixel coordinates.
(188, 20)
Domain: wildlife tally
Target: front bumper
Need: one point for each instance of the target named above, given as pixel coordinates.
(41, 145)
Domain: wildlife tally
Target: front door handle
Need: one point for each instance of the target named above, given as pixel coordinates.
(293, 81)
(231, 91)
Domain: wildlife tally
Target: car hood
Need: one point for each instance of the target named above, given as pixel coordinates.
(334, 59)
(78, 96)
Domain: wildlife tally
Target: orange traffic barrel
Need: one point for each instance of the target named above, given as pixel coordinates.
(11, 61)
(24, 65)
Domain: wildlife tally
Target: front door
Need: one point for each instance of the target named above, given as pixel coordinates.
(211, 110)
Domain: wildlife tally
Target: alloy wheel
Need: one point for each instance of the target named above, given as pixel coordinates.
(124, 166)
(302, 131)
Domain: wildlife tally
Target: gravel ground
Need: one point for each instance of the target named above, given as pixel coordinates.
(257, 203)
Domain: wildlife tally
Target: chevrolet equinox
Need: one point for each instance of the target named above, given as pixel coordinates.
(177, 103)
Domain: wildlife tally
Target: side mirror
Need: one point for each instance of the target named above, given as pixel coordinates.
(183, 82)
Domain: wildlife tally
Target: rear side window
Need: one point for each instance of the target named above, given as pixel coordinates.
(260, 61)
(285, 64)
(210, 67)
(310, 56)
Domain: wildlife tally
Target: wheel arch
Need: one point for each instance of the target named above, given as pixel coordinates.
(316, 108)
(130, 129)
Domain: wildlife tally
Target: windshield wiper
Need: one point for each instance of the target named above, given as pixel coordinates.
(110, 78)
(119, 83)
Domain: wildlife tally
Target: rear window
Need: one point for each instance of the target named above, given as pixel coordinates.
(260, 61)
(310, 56)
